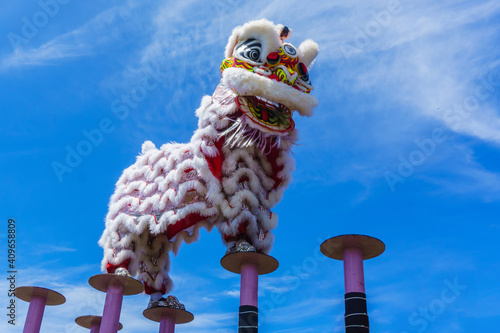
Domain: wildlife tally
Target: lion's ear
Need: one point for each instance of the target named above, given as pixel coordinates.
(307, 51)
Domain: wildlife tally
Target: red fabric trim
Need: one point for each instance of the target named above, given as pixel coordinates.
(215, 163)
(241, 233)
(185, 223)
(112, 268)
(272, 157)
(242, 228)
(151, 290)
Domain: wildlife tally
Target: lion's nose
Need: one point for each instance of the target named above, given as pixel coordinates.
(279, 69)
(273, 58)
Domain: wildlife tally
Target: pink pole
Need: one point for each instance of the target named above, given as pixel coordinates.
(167, 324)
(249, 284)
(354, 278)
(35, 314)
(112, 308)
(95, 327)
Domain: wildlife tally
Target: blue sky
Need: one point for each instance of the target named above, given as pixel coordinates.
(404, 146)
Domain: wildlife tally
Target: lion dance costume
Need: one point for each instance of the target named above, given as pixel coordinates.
(232, 172)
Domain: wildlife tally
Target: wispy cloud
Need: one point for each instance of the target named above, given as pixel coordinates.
(302, 311)
(423, 59)
(81, 299)
(430, 66)
(430, 57)
(45, 249)
(425, 64)
(232, 293)
(471, 178)
(46, 54)
(106, 28)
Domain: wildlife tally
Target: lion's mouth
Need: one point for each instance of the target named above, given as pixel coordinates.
(269, 115)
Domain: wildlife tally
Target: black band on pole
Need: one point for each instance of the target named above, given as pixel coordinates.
(249, 319)
(356, 315)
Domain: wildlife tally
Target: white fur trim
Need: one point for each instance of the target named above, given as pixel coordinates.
(247, 83)
(147, 145)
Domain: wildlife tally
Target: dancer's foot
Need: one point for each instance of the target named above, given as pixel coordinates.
(170, 302)
(241, 246)
(122, 271)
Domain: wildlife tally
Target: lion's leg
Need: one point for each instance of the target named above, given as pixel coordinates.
(119, 245)
(152, 253)
(139, 253)
(254, 227)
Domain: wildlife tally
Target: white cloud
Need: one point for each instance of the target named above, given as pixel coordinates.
(232, 293)
(432, 56)
(214, 322)
(399, 85)
(472, 179)
(301, 311)
(105, 28)
(45, 249)
(422, 60)
(81, 299)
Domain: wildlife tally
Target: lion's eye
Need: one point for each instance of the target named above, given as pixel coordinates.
(249, 49)
(289, 50)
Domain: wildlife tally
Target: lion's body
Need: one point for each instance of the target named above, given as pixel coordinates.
(170, 193)
(230, 175)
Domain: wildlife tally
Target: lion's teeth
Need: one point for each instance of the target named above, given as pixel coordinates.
(265, 100)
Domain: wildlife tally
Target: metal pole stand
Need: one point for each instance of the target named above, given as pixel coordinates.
(352, 250)
(115, 286)
(38, 298)
(245, 260)
(168, 312)
(92, 322)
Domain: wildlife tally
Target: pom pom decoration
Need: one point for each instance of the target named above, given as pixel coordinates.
(232, 172)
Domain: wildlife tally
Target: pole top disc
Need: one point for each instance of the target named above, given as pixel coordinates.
(130, 285)
(334, 247)
(53, 297)
(265, 263)
(89, 321)
(157, 313)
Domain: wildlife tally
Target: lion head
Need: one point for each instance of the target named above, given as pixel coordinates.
(269, 80)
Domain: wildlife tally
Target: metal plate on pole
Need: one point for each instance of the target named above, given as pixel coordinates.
(53, 297)
(334, 247)
(89, 321)
(265, 263)
(130, 285)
